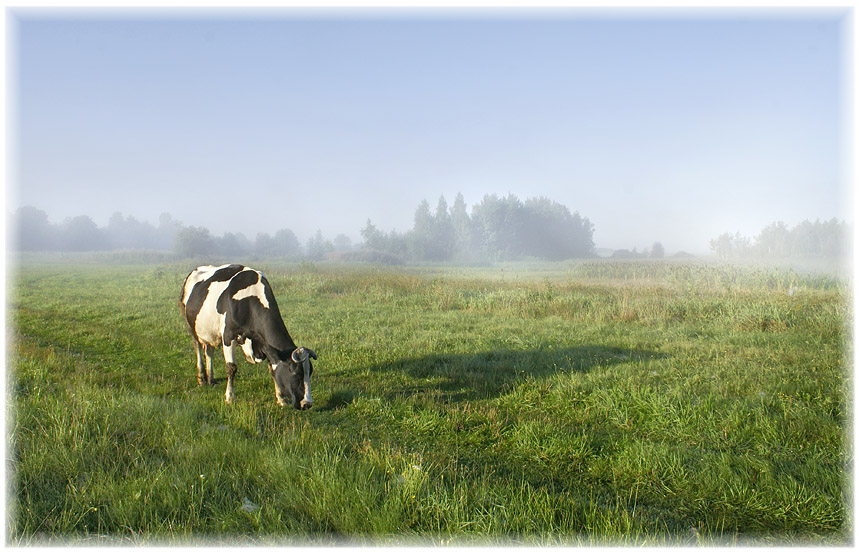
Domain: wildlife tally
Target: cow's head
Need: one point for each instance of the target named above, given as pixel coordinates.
(292, 379)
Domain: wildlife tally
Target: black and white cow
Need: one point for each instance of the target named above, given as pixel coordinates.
(231, 305)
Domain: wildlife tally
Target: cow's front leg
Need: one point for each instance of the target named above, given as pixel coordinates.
(278, 392)
(201, 374)
(232, 368)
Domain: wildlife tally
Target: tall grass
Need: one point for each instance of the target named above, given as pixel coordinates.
(680, 406)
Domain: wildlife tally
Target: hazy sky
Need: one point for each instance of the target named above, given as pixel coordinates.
(671, 126)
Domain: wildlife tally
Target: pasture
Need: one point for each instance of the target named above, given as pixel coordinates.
(593, 403)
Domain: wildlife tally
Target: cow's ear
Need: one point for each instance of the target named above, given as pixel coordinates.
(300, 354)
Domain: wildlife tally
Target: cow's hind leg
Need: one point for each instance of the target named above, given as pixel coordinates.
(201, 374)
(210, 372)
(232, 368)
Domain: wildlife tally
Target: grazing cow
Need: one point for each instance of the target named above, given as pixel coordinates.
(228, 305)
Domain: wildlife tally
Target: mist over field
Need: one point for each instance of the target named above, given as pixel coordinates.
(657, 126)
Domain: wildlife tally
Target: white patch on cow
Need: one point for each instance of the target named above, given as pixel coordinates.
(308, 398)
(248, 350)
(209, 325)
(199, 274)
(230, 353)
(257, 290)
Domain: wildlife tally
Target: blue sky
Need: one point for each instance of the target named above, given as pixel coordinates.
(665, 126)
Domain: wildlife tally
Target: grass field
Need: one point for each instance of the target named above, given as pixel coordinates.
(594, 403)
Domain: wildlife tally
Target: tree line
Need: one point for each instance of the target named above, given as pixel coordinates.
(30, 230)
(497, 228)
(807, 240)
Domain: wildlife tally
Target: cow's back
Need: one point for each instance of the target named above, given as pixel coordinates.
(200, 293)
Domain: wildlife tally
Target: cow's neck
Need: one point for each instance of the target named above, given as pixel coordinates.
(278, 342)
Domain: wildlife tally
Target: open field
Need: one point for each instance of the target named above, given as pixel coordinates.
(619, 403)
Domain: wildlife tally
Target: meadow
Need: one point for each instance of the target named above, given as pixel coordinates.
(622, 403)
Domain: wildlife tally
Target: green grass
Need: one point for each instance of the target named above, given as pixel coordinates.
(617, 403)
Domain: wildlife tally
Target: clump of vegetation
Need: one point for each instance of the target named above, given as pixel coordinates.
(603, 403)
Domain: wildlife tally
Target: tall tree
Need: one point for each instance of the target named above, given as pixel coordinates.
(317, 247)
(443, 233)
(30, 230)
(194, 241)
(286, 243)
(82, 234)
(773, 241)
(500, 222)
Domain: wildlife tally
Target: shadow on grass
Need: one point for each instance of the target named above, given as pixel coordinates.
(483, 375)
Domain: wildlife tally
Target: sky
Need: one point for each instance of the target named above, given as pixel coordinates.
(670, 126)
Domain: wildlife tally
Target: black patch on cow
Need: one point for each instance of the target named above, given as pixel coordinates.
(248, 318)
(239, 282)
(269, 294)
(201, 290)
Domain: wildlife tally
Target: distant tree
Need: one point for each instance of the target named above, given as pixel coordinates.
(317, 247)
(233, 245)
(540, 227)
(194, 241)
(82, 234)
(421, 236)
(806, 241)
(583, 236)
(467, 239)
(286, 244)
(834, 240)
(730, 246)
(30, 230)
(373, 237)
(550, 231)
(443, 233)
(397, 244)
(773, 241)
(342, 242)
(130, 233)
(166, 232)
(657, 251)
(264, 245)
(500, 222)
(433, 237)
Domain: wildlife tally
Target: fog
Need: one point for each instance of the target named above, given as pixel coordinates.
(671, 127)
